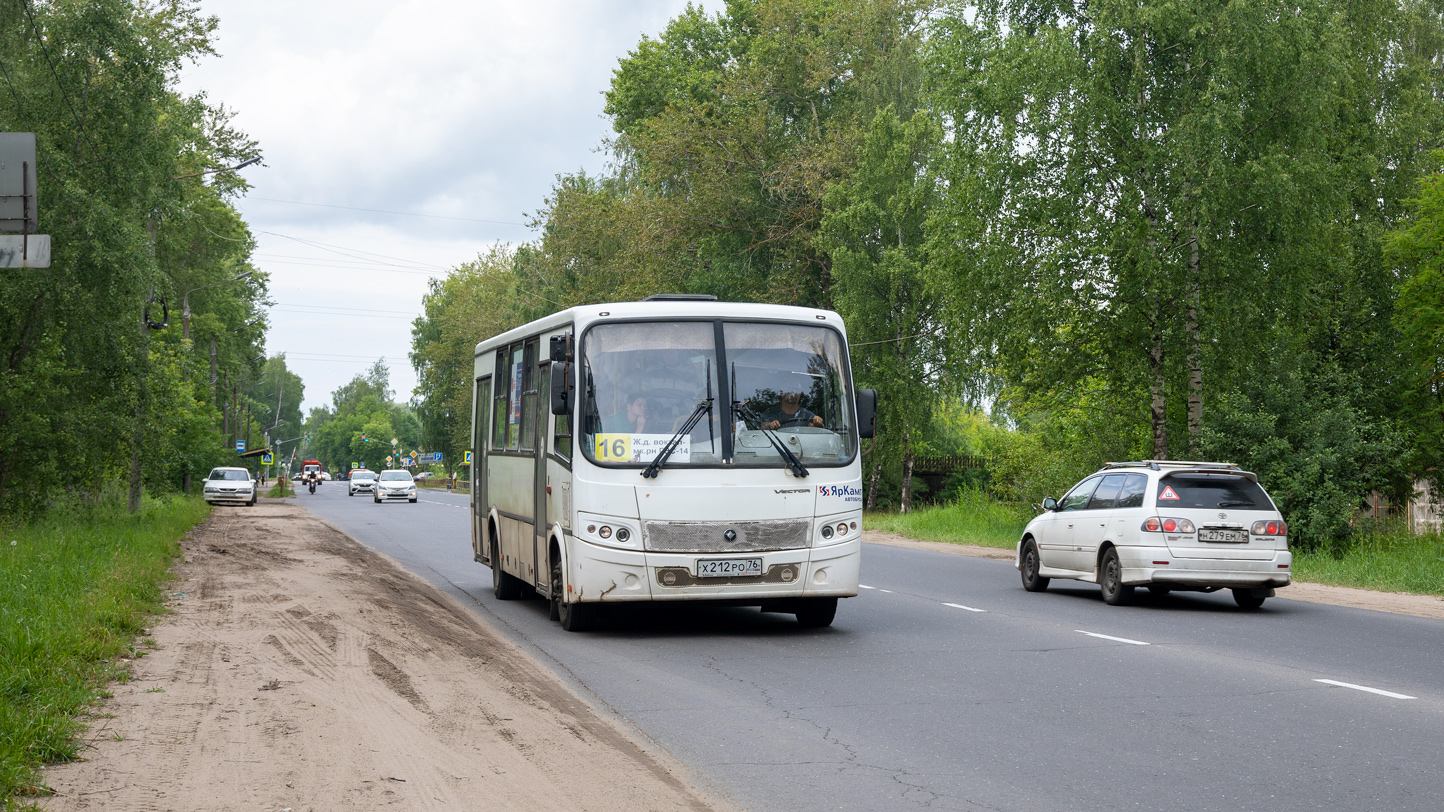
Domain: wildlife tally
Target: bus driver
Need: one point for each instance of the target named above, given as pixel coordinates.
(789, 412)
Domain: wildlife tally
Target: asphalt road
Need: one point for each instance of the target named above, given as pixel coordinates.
(945, 686)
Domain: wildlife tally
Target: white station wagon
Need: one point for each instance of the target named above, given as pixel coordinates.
(1188, 526)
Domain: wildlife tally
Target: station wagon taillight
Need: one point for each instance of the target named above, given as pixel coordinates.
(1161, 524)
(1272, 527)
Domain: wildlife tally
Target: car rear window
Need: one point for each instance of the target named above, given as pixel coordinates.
(1212, 491)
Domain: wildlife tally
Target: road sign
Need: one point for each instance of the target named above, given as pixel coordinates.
(240, 446)
(466, 458)
(355, 465)
(388, 459)
(266, 459)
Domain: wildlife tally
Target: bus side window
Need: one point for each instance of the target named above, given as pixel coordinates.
(498, 405)
(562, 434)
(530, 399)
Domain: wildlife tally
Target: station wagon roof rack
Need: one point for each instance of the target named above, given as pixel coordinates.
(1157, 465)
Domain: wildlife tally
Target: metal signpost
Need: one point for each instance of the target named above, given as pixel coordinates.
(20, 246)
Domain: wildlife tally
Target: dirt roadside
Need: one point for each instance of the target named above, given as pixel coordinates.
(1399, 603)
(302, 671)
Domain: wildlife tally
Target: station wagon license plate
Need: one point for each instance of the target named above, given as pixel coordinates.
(728, 567)
(1225, 536)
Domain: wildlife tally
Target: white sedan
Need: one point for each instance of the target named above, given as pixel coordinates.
(393, 486)
(230, 486)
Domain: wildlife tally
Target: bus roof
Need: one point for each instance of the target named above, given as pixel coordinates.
(584, 316)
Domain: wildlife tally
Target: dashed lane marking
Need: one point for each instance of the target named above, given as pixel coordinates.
(1111, 637)
(865, 586)
(888, 591)
(448, 504)
(960, 606)
(1366, 688)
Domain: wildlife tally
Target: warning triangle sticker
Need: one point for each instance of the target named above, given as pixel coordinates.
(1168, 493)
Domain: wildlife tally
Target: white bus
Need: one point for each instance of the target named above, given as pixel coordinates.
(672, 449)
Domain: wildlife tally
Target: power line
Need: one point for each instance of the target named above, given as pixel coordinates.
(353, 309)
(342, 250)
(386, 211)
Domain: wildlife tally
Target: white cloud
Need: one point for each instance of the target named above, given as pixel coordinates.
(456, 109)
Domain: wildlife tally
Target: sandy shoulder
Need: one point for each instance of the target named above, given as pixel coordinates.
(1401, 603)
(303, 671)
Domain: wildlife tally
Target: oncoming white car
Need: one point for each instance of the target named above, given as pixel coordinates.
(230, 486)
(394, 485)
(361, 481)
(1192, 526)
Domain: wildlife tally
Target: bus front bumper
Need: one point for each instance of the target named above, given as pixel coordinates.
(607, 574)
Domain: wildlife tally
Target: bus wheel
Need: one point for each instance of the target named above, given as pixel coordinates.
(505, 587)
(556, 588)
(814, 613)
(576, 617)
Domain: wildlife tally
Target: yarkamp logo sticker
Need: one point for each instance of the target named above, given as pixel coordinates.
(848, 493)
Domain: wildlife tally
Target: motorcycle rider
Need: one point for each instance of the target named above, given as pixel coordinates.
(312, 479)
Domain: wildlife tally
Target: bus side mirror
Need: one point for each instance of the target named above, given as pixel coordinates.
(561, 388)
(560, 348)
(866, 413)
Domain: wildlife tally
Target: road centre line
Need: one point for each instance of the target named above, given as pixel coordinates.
(865, 586)
(1115, 639)
(960, 606)
(1389, 694)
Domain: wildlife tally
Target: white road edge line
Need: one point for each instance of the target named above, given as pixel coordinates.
(1389, 694)
(960, 606)
(1111, 637)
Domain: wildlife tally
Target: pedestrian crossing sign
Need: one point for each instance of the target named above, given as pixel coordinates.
(466, 458)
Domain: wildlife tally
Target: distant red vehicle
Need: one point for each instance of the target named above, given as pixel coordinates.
(309, 467)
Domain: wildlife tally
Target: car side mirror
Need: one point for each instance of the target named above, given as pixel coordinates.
(866, 413)
(561, 388)
(1050, 504)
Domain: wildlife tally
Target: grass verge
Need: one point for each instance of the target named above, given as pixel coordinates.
(1387, 562)
(972, 519)
(76, 589)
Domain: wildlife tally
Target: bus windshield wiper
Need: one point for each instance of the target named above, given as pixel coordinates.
(798, 469)
(703, 407)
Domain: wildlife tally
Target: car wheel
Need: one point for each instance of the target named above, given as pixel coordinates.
(1032, 581)
(505, 586)
(816, 613)
(1246, 599)
(1110, 578)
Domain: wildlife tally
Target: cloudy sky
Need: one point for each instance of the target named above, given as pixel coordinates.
(401, 139)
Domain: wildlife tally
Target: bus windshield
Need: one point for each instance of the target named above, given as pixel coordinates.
(643, 382)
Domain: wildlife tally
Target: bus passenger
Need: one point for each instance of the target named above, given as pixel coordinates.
(631, 421)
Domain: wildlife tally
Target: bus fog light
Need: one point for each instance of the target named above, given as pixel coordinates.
(669, 578)
(605, 532)
(827, 531)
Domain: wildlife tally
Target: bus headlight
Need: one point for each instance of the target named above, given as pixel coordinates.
(827, 531)
(623, 534)
(605, 532)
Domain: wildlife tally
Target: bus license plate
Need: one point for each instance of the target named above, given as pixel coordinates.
(1227, 536)
(728, 567)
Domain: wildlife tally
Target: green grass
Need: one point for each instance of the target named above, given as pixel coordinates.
(1387, 562)
(972, 519)
(281, 488)
(77, 589)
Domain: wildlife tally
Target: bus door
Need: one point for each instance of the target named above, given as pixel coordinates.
(480, 435)
(540, 404)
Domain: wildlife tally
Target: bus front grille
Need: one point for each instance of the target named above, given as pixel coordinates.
(712, 537)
